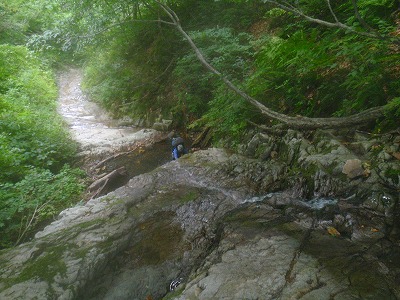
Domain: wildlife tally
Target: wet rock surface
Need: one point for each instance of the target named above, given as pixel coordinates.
(191, 220)
(96, 131)
(269, 254)
(279, 220)
(107, 144)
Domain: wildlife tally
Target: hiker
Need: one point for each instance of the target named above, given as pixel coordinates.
(178, 147)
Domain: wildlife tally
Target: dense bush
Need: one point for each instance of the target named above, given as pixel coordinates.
(147, 67)
(31, 130)
(204, 96)
(318, 75)
(128, 75)
(287, 63)
(139, 68)
(34, 200)
(35, 183)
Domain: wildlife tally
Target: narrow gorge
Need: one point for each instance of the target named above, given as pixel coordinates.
(301, 216)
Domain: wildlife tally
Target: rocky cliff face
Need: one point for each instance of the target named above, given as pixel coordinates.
(297, 217)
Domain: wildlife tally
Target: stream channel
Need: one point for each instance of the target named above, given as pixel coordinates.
(213, 224)
(101, 137)
(190, 221)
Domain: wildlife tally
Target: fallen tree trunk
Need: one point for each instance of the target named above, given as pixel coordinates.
(299, 122)
(104, 161)
(204, 139)
(101, 185)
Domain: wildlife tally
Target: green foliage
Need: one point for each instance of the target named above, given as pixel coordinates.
(136, 68)
(228, 116)
(19, 19)
(35, 184)
(31, 132)
(201, 92)
(128, 75)
(132, 73)
(12, 27)
(319, 75)
(38, 197)
(299, 67)
(392, 116)
(394, 107)
(108, 83)
(207, 14)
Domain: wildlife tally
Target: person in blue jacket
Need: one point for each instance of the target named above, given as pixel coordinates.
(178, 147)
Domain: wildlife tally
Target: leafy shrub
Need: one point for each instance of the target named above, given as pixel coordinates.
(201, 92)
(37, 198)
(129, 75)
(392, 116)
(228, 115)
(35, 183)
(318, 74)
(31, 131)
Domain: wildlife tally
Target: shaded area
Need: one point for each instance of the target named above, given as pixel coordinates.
(124, 149)
(272, 255)
(142, 160)
(192, 220)
(133, 163)
(143, 265)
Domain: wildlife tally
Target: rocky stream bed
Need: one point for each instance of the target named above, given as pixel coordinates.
(300, 216)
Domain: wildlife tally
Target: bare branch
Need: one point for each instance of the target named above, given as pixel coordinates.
(293, 122)
(31, 220)
(332, 12)
(362, 21)
(338, 24)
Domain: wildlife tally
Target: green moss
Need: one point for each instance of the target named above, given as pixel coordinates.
(45, 267)
(174, 294)
(331, 168)
(80, 253)
(393, 174)
(260, 150)
(188, 195)
(158, 239)
(296, 173)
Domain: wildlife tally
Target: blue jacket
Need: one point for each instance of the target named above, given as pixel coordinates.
(175, 154)
(176, 142)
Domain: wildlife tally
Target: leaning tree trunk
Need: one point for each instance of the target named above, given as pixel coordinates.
(299, 122)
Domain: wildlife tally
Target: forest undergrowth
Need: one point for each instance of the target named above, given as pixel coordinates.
(303, 58)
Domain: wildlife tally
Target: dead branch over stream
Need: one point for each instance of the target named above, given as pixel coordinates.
(298, 122)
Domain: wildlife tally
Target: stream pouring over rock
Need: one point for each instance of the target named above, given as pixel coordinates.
(190, 219)
(279, 220)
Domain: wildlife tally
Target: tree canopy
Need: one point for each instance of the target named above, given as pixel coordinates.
(36, 181)
(286, 58)
(228, 65)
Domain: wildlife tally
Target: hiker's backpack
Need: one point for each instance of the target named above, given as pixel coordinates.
(180, 149)
(177, 141)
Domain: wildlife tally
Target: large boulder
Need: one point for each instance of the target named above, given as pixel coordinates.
(217, 225)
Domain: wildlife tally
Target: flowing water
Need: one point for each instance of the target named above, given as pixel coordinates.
(287, 238)
(90, 125)
(102, 138)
